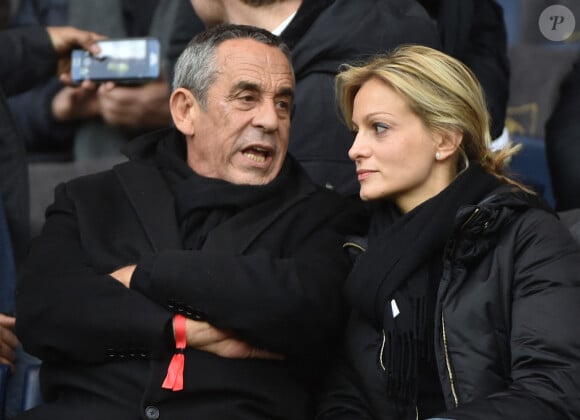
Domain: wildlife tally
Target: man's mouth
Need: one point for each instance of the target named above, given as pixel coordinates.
(257, 154)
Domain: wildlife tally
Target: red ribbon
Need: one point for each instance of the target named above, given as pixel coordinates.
(174, 378)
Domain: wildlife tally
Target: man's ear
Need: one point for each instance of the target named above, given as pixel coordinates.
(183, 106)
(447, 143)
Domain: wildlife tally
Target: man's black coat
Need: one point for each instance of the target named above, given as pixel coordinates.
(275, 281)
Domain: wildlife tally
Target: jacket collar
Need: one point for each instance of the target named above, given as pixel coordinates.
(305, 16)
(153, 202)
(485, 215)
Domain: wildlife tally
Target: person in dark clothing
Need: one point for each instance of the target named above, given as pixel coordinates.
(474, 32)
(323, 34)
(75, 123)
(563, 142)
(5, 14)
(28, 56)
(466, 296)
(70, 130)
(202, 276)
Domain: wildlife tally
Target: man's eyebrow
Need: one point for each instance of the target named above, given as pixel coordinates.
(285, 91)
(245, 85)
(254, 87)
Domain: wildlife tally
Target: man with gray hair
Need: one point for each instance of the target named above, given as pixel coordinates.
(324, 34)
(202, 279)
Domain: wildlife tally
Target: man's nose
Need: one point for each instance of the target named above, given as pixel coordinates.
(266, 116)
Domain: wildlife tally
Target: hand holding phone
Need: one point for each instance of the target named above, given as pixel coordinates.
(123, 61)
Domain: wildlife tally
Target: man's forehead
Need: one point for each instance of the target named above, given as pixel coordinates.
(250, 55)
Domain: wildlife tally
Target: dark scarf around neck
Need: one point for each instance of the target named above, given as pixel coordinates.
(204, 203)
(391, 282)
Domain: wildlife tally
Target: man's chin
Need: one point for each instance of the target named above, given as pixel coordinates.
(248, 178)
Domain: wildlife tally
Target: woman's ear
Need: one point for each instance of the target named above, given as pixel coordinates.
(183, 106)
(447, 143)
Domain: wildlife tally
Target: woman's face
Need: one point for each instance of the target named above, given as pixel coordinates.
(394, 152)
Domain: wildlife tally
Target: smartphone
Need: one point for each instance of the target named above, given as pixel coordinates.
(123, 61)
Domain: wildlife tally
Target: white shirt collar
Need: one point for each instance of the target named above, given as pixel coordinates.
(283, 25)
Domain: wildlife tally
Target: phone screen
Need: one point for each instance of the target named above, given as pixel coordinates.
(128, 60)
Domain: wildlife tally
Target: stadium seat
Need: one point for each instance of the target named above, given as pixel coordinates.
(530, 166)
(4, 372)
(31, 395)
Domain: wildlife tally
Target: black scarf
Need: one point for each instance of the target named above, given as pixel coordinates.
(203, 203)
(403, 265)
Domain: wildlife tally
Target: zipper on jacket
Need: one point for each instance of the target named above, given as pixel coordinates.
(471, 216)
(354, 245)
(382, 352)
(448, 362)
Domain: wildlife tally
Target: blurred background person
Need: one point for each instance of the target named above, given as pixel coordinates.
(563, 142)
(74, 130)
(95, 122)
(474, 32)
(28, 56)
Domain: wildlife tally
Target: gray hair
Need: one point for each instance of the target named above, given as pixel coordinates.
(196, 68)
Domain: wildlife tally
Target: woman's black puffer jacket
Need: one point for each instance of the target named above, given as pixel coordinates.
(507, 323)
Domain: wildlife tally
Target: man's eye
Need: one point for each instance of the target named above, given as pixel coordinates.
(248, 98)
(284, 105)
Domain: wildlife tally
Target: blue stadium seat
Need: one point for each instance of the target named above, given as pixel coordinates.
(4, 372)
(7, 269)
(29, 384)
(511, 17)
(31, 395)
(537, 66)
(7, 276)
(7, 284)
(521, 18)
(531, 166)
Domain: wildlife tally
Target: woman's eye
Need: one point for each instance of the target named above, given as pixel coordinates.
(379, 127)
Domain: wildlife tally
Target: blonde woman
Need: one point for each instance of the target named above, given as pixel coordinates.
(466, 299)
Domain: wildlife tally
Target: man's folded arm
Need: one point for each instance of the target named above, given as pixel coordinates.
(288, 305)
(65, 309)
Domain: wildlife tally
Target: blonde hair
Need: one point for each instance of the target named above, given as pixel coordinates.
(441, 91)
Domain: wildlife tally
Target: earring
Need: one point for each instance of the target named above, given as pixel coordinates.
(437, 156)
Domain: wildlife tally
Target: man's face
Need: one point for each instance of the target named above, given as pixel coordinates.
(242, 135)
